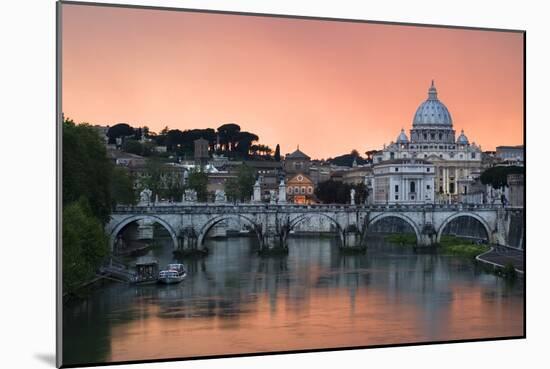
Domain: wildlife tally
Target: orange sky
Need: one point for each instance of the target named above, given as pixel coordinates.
(328, 86)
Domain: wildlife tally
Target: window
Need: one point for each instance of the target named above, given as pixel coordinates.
(473, 155)
(397, 197)
(303, 190)
(428, 187)
(428, 170)
(412, 187)
(392, 155)
(425, 136)
(440, 136)
(432, 136)
(451, 187)
(397, 169)
(310, 190)
(396, 188)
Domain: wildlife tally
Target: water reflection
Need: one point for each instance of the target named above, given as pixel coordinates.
(236, 302)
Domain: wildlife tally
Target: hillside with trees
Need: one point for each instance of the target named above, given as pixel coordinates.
(228, 139)
(347, 160)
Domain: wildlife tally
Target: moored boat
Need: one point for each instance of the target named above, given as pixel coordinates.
(175, 273)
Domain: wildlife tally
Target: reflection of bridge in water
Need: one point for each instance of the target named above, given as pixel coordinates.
(189, 225)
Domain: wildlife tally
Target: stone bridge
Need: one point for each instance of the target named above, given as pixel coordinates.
(188, 225)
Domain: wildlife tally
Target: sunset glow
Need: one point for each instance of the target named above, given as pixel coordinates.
(328, 86)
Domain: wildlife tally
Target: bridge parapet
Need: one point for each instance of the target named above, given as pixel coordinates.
(291, 208)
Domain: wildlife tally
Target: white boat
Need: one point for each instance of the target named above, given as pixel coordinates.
(174, 274)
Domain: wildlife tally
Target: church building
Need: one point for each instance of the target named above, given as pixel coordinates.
(432, 138)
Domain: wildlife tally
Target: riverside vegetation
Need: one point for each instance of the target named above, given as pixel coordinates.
(449, 245)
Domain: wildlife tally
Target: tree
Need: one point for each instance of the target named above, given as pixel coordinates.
(198, 181)
(241, 187)
(244, 141)
(227, 134)
(277, 153)
(153, 176)
(334, 192)
(246, 178)
(86, 169)
(347, 160)
(232, 190)
(497, 176)
(370, 155)
(133, 146)
(173, 182)
(122, 187)
(85, 244)
(119, 130)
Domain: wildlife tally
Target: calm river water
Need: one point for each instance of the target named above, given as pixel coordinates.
(236, 302)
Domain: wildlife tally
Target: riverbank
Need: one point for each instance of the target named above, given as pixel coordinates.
(449, 245)
(504, 257)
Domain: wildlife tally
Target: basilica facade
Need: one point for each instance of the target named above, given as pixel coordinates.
(432, 138)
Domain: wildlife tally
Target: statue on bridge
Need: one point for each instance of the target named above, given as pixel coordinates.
(257, 194)
(352, 196)
(220, 197)
(272, 197)
(145, 196)
(282, 192)
(189, 196)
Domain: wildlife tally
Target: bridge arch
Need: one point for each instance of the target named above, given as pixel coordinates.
(212, 222)
(405, 218)
(123, 223)
(299, 219)
(480, 219)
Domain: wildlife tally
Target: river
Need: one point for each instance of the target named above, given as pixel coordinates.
(234, 302)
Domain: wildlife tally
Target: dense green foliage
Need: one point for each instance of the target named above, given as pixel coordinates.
(509, 272)
(133, 146)
(336, 192)
(347, 160)
(86, 169)
(91, 187)
(241, 187)
(402, 238)
(122, 187)
(458, 246)
(198, 181)
(120, 130)
(497, 176)
(84, 244)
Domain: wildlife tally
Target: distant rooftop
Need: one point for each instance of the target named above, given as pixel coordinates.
(297, 155)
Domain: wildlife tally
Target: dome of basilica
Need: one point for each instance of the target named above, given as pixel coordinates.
(432, 112)
(402, 138)
(462, 139)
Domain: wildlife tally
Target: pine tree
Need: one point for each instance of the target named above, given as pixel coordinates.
(278, 153)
